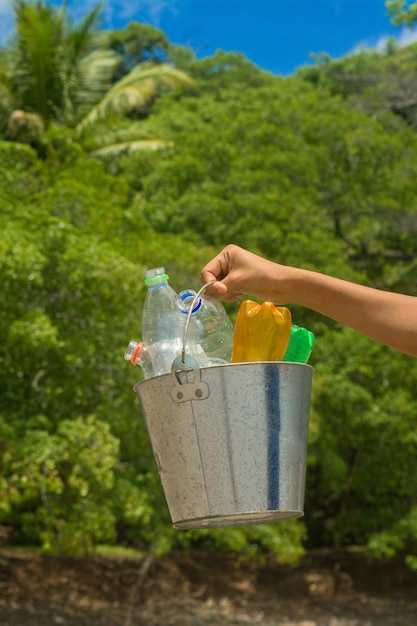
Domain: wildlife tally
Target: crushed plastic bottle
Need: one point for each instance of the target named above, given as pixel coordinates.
(262, 332)
(300, 345)
(211, 327)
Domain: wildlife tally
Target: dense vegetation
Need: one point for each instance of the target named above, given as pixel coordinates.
(119, 162)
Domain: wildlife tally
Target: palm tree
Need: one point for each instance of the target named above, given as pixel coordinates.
(55, 73)
(133, 92)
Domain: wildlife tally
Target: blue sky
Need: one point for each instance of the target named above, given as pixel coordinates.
(277, 35)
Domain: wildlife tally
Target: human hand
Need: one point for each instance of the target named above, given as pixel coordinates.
(241, 272)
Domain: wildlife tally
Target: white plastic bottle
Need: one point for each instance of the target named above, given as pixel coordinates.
(211, 329)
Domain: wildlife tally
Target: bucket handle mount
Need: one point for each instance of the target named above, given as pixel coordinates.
(185, 389)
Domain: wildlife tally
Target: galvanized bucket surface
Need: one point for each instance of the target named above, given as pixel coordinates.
(230, 441)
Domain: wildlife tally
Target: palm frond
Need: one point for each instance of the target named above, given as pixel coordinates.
(93, 79)
(105, 136)
(134, 91)
(132, 146)
(108, 134)
(8, 99)
(82, 39)
(35, 70)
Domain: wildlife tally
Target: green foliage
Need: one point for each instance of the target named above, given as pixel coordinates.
(317, 163)
(400, 12)
(138, 43)
(399, 538)
(374, 81)
(364, 412)
(60, 484)
(284, 541)
(64, 288)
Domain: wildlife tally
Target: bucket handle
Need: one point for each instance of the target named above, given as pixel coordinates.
(189, 314)
(185, 389)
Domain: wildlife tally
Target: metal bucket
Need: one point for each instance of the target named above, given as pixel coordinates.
(230, 441)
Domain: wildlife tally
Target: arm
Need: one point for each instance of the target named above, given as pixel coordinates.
(389, 318)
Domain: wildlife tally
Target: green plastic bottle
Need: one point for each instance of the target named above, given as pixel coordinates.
(300, 345)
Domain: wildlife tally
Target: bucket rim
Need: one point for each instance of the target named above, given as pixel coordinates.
(245, 364)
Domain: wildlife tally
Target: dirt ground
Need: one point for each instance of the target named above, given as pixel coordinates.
(324, 589)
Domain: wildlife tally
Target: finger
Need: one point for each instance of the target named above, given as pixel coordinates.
(232, 297)
(213, 270)
(217, 289)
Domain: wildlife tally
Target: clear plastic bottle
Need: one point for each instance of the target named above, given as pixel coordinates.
(262, 332)
(162, 325)
(138, 354)
(211, 328)
(300, 345)
(160, 319)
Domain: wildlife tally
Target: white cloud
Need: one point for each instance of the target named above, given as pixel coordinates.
(407, 36)
(404, 38)
(156, 9)
(122, 11)
(149, 11)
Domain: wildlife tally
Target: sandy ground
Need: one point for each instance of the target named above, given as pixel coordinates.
(325, 589)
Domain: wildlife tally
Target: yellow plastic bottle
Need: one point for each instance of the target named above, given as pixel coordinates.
(262, 332)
